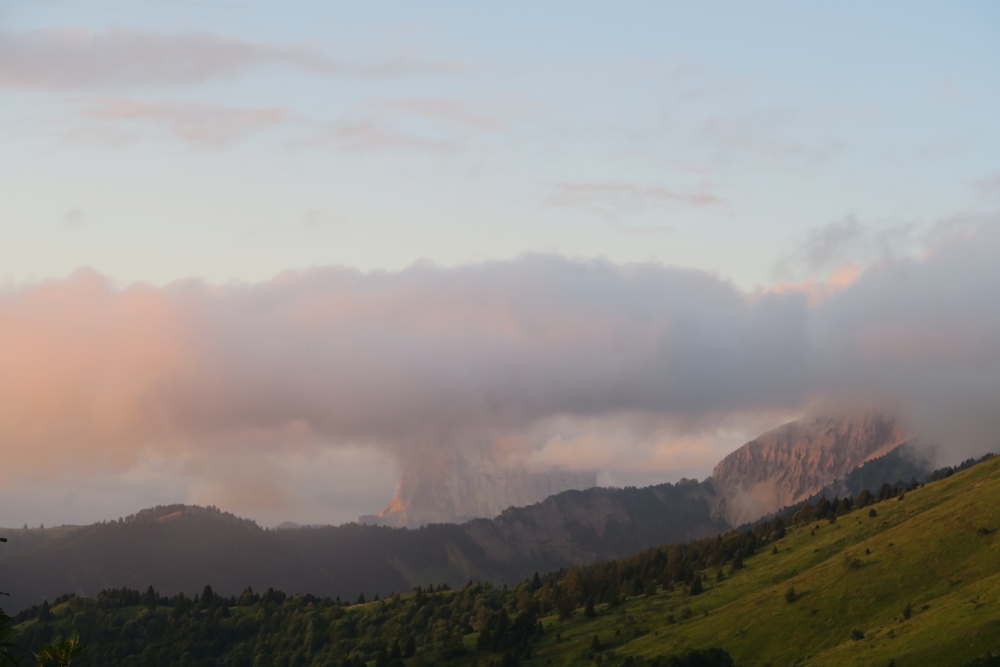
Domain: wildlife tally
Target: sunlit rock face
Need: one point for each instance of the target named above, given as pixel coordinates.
(451, 487)
(790, 463)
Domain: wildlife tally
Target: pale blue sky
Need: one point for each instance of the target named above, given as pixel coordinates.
(234, 140)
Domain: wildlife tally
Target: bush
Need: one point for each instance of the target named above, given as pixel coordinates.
(851, 561)
(857, 635)
(790, 594)
(872, 512)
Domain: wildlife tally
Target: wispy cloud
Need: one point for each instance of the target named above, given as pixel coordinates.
(831, 243)
(372, 134)
(848, 240)
(121, 58)
(616, 199)
(760, 135)
(121, 119)
(437, 125)
(450, 112)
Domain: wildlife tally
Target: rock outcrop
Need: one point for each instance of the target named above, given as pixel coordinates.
(792, 462)
(452, 487)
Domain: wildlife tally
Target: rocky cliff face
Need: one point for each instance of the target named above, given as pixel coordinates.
(790, 463)
(454, 487)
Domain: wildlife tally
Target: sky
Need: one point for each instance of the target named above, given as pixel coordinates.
(262, 255)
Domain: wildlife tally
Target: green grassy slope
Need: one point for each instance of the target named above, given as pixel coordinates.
(936, 550)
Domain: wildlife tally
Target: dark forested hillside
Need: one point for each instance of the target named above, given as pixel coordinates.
(181, 548)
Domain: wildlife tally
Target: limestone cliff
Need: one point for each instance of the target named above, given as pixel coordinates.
(790, 463)
(451, 487)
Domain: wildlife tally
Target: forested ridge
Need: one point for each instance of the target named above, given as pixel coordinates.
(181, 548)
(702, 602)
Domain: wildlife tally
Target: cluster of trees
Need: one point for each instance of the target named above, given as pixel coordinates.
(682, 564)
(126, 627)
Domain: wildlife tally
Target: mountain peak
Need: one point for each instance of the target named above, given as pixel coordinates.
(790, 463)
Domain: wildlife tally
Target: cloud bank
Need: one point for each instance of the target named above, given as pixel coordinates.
(551, 361)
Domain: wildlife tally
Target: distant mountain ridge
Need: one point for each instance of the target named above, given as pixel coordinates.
(181, 548)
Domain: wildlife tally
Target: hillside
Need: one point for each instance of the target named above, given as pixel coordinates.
(914, 579)
(181, 548)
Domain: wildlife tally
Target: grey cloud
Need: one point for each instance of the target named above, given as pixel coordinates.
(613, 200)
(832, 243)
(433, 358)
(851, 240)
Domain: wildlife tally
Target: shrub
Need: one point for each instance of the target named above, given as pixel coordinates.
(857, 635)
(790, 594)
(851, 561)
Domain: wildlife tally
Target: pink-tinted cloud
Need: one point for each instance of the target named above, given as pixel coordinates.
(119, 58)
(522, 355)
(842, 277)
(202, 124)
(440, 110)
(436, 125)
